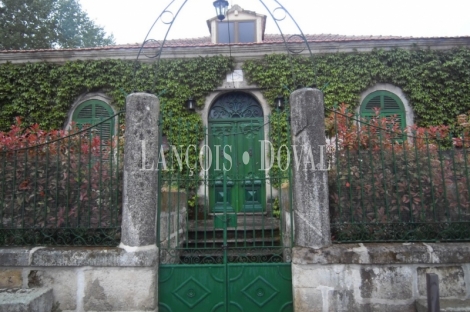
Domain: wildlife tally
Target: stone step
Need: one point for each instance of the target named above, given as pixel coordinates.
(207, 213)
(234, 243)
(233, 233)
(26, 300)
(254, 231)
(446, 305)
(238, 255)
(244, 221)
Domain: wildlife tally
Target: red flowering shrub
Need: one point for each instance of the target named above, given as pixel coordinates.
(389, 184)
(59, 187)
(463, 125)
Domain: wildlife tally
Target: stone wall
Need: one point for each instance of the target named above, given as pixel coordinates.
(378, 277)
(85, 279)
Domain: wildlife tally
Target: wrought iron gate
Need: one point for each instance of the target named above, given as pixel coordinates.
(225, 235)
(226, 287)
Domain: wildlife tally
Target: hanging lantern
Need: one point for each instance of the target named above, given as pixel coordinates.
(221, 7)
(279, 101)
(191, 104)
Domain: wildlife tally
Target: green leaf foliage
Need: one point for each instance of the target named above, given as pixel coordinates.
(436, 82)
(44, 92)
(46, 24)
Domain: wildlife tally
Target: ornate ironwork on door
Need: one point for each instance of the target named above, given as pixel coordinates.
(236, 105)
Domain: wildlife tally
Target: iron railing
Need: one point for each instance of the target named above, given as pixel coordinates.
(62, 188)
(388, 184)
(200, 221)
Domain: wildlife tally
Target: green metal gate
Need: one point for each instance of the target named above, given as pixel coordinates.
(227, 287)
(225, 235)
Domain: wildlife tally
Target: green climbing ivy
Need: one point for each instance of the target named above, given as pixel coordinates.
(436, 82)
(44, 92)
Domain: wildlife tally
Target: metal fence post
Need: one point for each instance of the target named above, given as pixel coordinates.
(432, 289)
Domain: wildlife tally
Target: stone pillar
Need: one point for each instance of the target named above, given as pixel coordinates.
(310, 178)
(140, 175)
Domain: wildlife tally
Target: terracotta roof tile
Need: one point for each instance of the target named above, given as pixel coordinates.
(268, 39)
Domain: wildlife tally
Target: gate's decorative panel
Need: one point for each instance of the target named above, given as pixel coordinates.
(229, 287)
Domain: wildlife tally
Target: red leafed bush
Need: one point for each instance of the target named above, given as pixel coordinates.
(383, 175)
(59, 179)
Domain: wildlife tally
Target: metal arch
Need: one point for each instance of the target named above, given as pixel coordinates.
(279, 7)
(276, 20)
(146, 40)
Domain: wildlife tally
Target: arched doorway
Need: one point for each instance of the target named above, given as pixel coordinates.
(236, 127)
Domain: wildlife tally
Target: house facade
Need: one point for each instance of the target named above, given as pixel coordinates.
(249, 42)
(205, 239)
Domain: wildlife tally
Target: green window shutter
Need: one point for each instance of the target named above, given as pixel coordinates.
(373, 103)
(93, 112)
(388, 103)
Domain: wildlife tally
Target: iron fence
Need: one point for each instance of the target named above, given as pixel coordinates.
(392, 184)
(62, 187)
(386, 184)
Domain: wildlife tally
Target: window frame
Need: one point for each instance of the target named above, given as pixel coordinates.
(363, 112)
(93, 119)
(236, 31)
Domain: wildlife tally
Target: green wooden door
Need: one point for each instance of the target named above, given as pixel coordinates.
(236, 127)
(222, 174)
(251, 177)
(236, 157)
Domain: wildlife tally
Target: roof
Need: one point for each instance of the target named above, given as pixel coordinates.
(268, 39)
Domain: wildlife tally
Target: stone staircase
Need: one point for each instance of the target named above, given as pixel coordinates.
(250, 236)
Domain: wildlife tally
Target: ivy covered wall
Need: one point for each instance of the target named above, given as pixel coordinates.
(437, 83)
(44, 92)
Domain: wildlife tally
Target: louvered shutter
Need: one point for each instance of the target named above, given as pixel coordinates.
(388, 103)
(373, 103)
(94, 112)
(392, 107)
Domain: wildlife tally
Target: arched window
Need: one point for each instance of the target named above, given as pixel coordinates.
(93, 112)
(388, 103)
